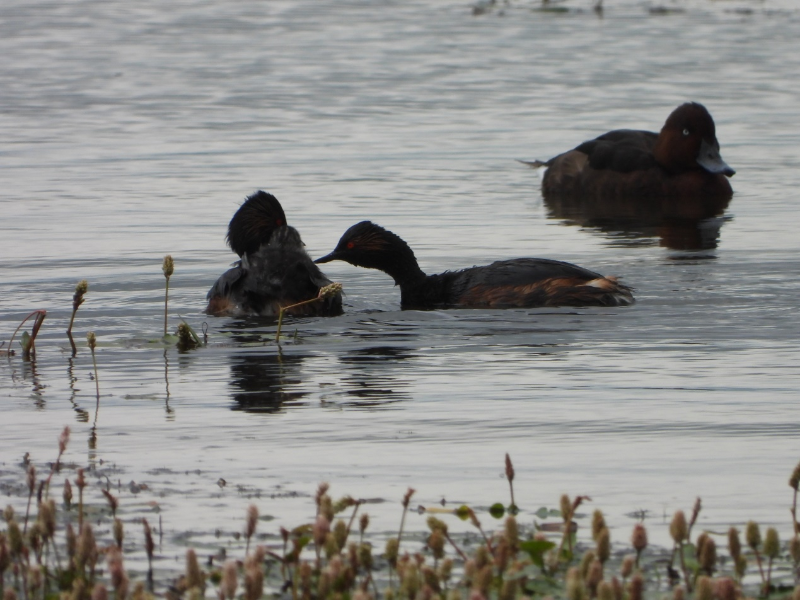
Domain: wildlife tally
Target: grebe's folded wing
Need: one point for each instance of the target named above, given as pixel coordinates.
(522, 271)
(222, 287)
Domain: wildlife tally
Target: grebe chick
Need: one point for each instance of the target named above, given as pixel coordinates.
(519, 282)
(274, 271)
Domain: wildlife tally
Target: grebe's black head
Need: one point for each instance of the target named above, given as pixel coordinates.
(369, 245)
(254, 223)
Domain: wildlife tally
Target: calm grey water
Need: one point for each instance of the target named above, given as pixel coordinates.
(134, 130)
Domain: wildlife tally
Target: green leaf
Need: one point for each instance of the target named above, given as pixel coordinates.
(545, 512)
(25, 341)
(513, 509)
(497, 510)
(543, 586)
(536, 549)
(690, 558)
(192, 331)
(462, 512)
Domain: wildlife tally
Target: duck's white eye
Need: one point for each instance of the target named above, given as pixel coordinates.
(685, 132)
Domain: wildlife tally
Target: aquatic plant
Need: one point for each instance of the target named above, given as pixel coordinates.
(324, 292)
(91, 339)
(46, 558)
(77, 299)
(794, 483)
(168, 266)
(27, 340)
(187, 338)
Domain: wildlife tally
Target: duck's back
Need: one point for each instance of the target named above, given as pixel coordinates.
(621, 150)
(522, 282)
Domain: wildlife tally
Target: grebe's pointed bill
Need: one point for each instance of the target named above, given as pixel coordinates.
(328, 258)
(709, 158)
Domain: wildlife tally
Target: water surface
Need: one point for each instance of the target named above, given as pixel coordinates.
(135, 130)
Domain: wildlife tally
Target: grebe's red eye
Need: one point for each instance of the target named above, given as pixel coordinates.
(350, 245)
(278, 222)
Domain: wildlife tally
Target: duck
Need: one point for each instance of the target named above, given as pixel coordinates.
(519, 282)
(681, 161)
(274, 270)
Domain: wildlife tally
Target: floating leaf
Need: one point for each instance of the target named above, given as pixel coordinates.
(513, 509)
(536, 549)
(545, 512)
(497, 510)
(462, 512)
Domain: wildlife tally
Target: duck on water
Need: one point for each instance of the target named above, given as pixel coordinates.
(274, 269)
(681, 161)
(519, 282)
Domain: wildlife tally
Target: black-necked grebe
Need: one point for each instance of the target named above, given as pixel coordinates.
(274, 271)
(682, 161)
(520, 282)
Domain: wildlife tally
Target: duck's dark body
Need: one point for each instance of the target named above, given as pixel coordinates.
(520, 282)
(681, 161)
(274, 271)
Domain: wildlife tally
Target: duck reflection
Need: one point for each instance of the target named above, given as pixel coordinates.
(688, 223)
(266, 383)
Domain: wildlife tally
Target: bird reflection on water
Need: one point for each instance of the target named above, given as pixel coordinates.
(266, 383)
(269, 382)
(678, 223)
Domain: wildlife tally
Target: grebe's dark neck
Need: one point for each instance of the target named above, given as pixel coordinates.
(400, 264)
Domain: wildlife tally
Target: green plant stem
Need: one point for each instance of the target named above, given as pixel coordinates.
(760, 566)
(567, 537)
(769, 578)
(166, 304)
(683, 568)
